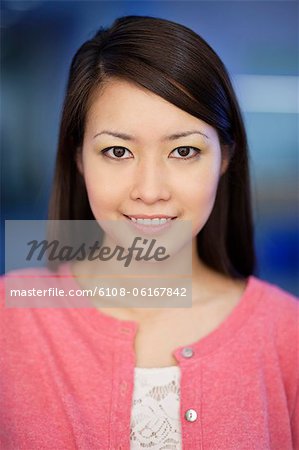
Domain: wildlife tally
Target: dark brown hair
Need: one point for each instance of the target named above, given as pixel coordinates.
(175, 63)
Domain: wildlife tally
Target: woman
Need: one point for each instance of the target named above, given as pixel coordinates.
(151, 129)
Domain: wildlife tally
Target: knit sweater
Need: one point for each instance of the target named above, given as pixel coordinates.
(67, 376)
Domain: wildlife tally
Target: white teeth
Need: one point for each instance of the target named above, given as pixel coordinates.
(155, 221)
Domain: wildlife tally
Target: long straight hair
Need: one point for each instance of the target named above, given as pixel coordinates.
(175, 63)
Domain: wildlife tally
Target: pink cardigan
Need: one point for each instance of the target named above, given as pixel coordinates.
(67, 377)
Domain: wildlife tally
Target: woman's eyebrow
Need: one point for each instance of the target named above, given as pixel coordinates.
(172, 137)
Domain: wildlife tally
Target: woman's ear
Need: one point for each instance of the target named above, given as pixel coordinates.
(79, 161)
(225, 159)
(224, 165)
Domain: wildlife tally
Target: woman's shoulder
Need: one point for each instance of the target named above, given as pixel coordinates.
(30, 273)
(28, 283)
(20, 275)
(277, 310)
(274, 295)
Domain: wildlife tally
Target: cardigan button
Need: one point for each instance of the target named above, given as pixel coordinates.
(191, 415)
(187, 352)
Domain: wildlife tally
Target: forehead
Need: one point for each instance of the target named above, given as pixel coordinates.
(129, 108)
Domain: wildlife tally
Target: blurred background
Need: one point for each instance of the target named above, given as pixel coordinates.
(257, 41)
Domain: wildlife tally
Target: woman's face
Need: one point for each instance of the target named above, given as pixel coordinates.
(144, 156)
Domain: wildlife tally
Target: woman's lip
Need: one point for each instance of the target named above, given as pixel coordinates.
(158, 216)
(150, 229)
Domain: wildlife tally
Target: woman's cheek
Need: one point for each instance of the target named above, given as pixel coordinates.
(98, 191)
(202, 201)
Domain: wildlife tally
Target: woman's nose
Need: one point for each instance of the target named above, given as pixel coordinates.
(150, 182)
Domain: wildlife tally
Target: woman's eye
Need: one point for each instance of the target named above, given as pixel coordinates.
(186, 152)
(182, 152)
(115, 152)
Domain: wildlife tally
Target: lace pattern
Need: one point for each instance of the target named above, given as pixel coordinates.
(155, 419)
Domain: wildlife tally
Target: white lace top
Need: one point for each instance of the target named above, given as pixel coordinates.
(155, 419)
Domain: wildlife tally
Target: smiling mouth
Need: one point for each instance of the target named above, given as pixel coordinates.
(156, 221)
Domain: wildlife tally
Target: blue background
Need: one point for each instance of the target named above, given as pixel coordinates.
(258, 42)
